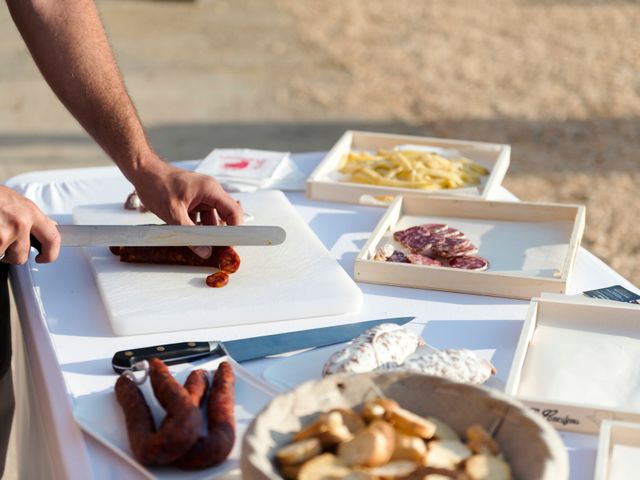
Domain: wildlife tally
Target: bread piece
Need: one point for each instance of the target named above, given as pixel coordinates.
(446, 453)
(328, 428)
(376, 409)
(410, 448)
(392, 470)
(487, 467)
(290, 472)
(299, 452)
(432, 473)
(409, 423)
(372, 411)
(369, 447)
(350, 419)
(324, 467)
(479, 441)
(443, 431)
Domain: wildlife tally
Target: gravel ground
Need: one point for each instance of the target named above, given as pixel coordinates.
(559, 81)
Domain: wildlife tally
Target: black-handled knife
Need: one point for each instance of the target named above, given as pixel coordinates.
(248, 348)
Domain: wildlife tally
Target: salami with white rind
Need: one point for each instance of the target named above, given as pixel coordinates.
(458, 365)
(383, 344)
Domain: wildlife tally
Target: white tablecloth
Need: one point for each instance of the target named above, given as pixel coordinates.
(66, 344)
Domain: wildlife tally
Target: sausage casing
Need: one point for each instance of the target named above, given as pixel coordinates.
(179, 429)
(215, 447)
(224, 258)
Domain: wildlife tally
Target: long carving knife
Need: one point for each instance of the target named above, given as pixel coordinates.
(248, 348)
(166, 235)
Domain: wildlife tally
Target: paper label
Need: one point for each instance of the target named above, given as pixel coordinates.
(616, 292)
(242, 164)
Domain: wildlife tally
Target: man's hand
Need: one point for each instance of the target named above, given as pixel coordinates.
(177, 196)
(20, 217)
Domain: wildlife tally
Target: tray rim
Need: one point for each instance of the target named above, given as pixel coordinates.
(604, 444)
(589, 416)
(318, 188)
(508, 285)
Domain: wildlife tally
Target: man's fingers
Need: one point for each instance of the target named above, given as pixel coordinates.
(18, 251)
(182, 217)
(46, 232)
(230, 211)
(209, 217)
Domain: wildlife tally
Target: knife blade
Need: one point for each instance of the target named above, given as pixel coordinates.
(166, 235)
(248, 348)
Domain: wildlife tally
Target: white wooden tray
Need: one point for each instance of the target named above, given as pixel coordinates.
(530, 247)
(99, 415)
(326, 183)
(618, 451)
(577, 363)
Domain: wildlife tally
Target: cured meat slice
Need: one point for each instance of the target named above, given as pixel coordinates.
(418, 259)
(453, 232)
(400, 235)
(398, 257)
(419, 242)
(451, 247)
(469, 262)
(434, 227)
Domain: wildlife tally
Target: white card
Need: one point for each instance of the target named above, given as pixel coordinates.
(242, 164)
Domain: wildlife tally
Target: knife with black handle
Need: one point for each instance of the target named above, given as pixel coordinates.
(247, 348)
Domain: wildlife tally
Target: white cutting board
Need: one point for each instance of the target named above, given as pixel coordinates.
(297, 279)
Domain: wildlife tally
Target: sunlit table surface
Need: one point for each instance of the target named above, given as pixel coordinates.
(63, 343)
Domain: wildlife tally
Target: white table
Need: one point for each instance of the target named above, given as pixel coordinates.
(66, 343)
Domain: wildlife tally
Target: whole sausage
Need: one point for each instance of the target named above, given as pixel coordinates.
(213, 448)
(224, 258)
(180, 428)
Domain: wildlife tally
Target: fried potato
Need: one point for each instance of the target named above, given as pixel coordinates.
(411, 169)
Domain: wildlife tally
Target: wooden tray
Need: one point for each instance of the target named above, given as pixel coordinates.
(618, 451)
(531, 247)
(326, 183)
(576, 362)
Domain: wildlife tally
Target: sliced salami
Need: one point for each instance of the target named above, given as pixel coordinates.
(451, 247)
(434, 227)
(398, 257)
(469, 262)
(453, 232)
(418, 259)
(400, 235)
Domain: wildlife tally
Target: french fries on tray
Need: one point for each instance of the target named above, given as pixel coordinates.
(411, 169)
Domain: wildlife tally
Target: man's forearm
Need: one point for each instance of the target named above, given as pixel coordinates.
(68, 43)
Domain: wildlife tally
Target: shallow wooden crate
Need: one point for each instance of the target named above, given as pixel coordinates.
(326, 183)
(570, 361)
(531, 247)
(610, 465)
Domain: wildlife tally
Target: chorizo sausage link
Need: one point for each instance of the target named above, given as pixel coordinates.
(196, 386)
(224, 258)
(215, 447)
(180, 428)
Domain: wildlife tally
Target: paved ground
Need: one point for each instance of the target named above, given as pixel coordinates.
(558, 80)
